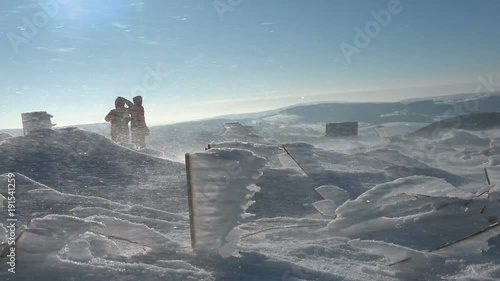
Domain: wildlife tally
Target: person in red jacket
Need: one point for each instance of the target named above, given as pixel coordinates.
(119, 118)
(138, 126)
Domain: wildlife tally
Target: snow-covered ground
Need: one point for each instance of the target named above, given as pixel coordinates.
(377, 207)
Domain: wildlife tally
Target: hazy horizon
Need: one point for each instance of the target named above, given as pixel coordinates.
(255, 112)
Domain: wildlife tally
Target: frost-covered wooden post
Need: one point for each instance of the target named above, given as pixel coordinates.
(221, 183)
(190, 200)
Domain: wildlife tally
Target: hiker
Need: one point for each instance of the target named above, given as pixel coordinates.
(138, 126)
(119, 118)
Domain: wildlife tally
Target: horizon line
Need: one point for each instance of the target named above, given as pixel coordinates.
(411, 100)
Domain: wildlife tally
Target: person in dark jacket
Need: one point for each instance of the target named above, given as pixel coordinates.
(138, 126)
(119, 118)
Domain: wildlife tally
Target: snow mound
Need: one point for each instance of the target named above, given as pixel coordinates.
(68, 153)
(80, 162)
(407, 207)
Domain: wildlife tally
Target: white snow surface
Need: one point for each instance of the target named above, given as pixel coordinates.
(326, 209)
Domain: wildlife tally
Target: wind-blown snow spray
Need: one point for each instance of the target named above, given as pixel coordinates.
(220, 188)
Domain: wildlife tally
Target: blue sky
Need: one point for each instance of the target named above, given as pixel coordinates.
(255, 55)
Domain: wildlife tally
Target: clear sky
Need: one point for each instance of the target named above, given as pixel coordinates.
(192, 59)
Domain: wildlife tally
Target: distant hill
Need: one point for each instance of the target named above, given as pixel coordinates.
(13, 132)
(420, 111)
(376, 113)
(452, 98)
(471, 122)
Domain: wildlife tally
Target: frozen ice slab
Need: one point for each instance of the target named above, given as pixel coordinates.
(333, 193)
(493, 175)
(325, 208)
(220, 186)
(267, 151)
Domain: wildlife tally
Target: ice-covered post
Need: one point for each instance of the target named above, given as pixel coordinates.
(221, 183)
(34, 121)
